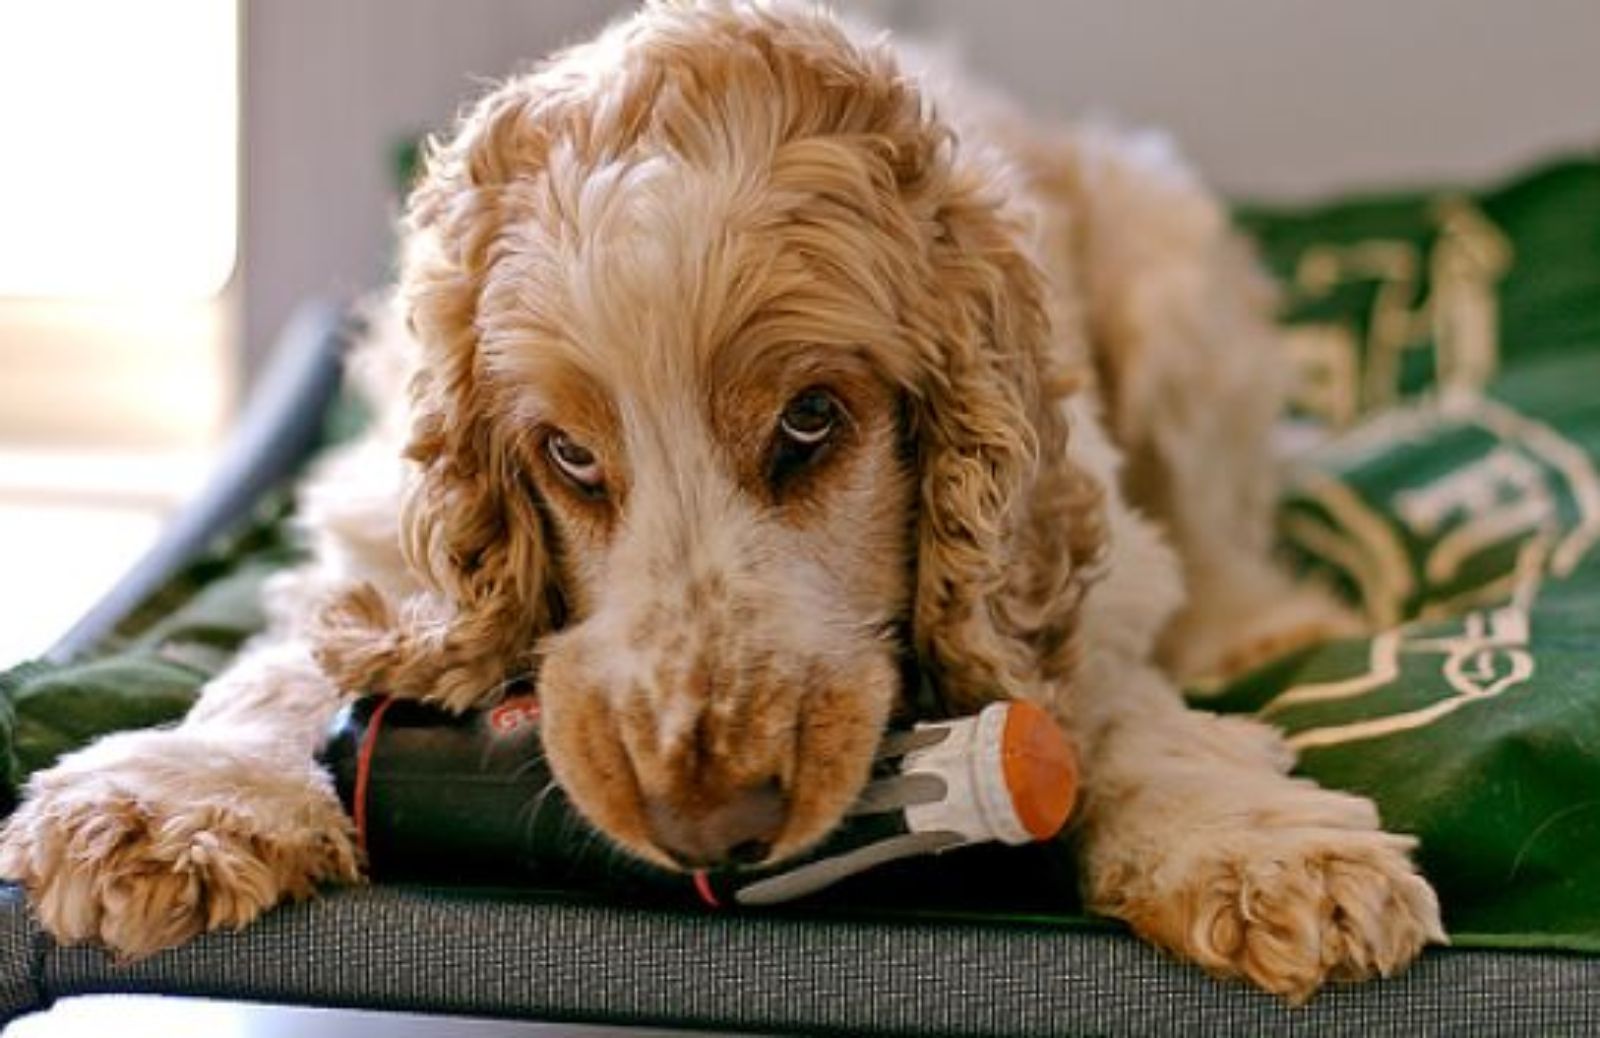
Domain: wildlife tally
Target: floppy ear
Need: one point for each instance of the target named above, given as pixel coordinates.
(471, 525)
(1009, 528)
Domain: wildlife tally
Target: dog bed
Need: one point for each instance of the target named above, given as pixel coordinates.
(1444, 450)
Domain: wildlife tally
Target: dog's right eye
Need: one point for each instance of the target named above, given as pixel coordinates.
(577, 463)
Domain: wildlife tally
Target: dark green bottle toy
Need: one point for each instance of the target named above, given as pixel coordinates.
(438, 795)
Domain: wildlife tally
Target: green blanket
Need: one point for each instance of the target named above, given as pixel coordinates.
(1451, 344)
(1450, 348)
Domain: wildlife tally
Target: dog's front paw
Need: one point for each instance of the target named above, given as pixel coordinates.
(147, 839)
(1287, 909)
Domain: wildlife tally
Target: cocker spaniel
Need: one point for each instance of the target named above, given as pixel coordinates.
(744, 361)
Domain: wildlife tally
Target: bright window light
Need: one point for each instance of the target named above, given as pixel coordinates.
(118, 147)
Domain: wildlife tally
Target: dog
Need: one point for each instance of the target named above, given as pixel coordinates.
(735, 359)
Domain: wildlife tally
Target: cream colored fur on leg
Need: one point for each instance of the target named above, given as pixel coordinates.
(1192, 830)
(145, 839)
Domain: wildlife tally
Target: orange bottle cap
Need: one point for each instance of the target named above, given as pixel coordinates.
(1040, 769)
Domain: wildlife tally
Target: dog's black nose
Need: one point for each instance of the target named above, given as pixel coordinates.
(739, 831)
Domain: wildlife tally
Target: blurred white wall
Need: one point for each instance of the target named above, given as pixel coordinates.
(1303, 97)
(1271, 97)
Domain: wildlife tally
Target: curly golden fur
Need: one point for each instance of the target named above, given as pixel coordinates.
(1033, 377)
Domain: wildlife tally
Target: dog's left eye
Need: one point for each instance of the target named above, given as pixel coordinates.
(810, 418)
(806, 430)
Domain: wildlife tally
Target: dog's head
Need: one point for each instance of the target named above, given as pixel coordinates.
(734, 372)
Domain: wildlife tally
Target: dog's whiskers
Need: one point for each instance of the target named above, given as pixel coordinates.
(490, 693)
(529, 811)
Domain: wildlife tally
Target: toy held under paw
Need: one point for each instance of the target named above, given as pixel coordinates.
(433, 793)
